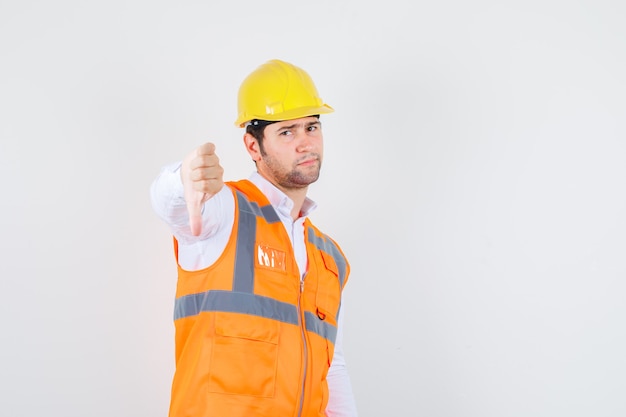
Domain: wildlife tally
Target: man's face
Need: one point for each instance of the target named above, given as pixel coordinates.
(291, 152)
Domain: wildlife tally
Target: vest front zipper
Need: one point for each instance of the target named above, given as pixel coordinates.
(304, 344)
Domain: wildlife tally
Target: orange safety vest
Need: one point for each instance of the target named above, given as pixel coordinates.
(252, 339)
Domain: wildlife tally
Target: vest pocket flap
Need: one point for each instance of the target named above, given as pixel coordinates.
(329, 263)
(247, 327)
(244, 356)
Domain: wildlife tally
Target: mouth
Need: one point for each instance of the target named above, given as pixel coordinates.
(308, 161)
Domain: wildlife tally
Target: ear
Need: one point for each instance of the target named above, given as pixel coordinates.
(252, 146)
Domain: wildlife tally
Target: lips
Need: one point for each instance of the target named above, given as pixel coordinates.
(309, 160)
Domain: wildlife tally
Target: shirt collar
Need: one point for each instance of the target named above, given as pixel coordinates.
(278, 199)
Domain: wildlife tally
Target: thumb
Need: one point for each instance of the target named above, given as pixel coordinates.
(194, 208)
(193, 198)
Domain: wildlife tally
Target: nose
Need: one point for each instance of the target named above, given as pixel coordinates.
(305, 143)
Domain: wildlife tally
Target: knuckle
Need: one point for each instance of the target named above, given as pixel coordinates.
(203, 160)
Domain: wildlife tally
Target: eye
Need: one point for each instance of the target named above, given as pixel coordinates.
(312, 128)
(285, 133)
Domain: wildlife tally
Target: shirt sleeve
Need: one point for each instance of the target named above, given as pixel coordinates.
(341, 401)
(168, 202)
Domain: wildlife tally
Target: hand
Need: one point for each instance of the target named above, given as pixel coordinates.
(201, 174)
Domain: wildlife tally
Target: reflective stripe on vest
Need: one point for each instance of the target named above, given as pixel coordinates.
(243, 279)
(242, 299)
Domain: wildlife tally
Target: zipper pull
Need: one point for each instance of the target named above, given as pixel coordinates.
(301, 286)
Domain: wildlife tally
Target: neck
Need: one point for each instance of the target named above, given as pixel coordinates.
(297, 195)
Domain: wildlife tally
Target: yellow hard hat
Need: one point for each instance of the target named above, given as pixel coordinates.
(276, 91)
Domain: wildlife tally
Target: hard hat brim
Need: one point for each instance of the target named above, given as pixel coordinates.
(286, 115)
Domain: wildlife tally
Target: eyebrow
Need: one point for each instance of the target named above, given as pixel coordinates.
(316, 122)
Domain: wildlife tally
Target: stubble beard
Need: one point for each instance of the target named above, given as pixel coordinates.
(296, 177)
(299, 179)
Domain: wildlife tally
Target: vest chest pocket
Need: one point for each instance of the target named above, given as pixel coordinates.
(244, 355)
(328, 296)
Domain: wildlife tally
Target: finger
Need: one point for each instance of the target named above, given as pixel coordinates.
(202, 161)
(208, 188)
(205, 174)
(206, 149)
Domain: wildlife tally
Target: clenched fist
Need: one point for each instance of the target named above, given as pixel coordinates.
(201, 174)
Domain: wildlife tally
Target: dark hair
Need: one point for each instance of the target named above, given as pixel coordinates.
(257, 127)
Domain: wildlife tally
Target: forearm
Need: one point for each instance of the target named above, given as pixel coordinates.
(167, 197)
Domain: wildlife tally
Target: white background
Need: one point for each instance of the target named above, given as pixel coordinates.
(475, 176)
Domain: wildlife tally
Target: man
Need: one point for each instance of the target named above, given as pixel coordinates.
(257, 310)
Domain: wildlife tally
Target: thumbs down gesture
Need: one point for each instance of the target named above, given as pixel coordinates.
(202, 177)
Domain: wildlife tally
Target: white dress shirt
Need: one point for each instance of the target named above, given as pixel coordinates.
(218, 216)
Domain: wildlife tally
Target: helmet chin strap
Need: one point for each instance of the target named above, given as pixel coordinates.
(260, 123)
